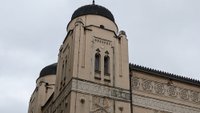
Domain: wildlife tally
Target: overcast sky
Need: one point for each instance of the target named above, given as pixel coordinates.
(162, 34)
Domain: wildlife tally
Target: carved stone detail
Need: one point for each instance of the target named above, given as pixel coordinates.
(100, 90)
(101, 105)
(194, 96)
(135, 83)
(159, 88)
(172, 91)
(102, 41)
(147, 85)
(165, 106)
(184, 94)
(164, 89)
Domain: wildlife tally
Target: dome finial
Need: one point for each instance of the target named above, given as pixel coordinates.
(93, 2)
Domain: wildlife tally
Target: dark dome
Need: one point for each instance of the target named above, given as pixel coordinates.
(49, 70)
(93, 10)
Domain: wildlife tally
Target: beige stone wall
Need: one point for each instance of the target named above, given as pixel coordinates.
(80, 96)
(138, 109)
(78, 84)
(44, 89)
(77, 53)
(79, 88)
(86, 103)
(95, 20)
(65, 64)
(162, 94)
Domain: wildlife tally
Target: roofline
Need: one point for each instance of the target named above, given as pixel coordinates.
(75, 15)
(134, 67)
(89, 25)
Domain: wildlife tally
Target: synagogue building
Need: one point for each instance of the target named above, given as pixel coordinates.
(93, 74)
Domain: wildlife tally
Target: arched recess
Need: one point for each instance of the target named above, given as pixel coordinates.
(97, 65)
(97, 61)
(106, 65)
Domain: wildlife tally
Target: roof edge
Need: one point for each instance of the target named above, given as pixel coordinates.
(93, 9)
(163, 74)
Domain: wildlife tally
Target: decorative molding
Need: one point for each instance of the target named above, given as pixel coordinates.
(165, 89)
(194, 96)
(172, 91)
(147, 85)
(184, 94)
(166, 107)
(102, 41)
(135, 83)
(101, 105)
(157, 111)
(159, 88)
(159, 73)
(100, 90)
(92, 89)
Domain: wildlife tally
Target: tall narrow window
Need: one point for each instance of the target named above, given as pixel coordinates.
(63, 69)
(97, 62)
(106, 65)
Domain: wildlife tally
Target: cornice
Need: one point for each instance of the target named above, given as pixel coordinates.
(135, 67)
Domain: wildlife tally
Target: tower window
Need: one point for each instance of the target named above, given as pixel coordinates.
(106, 65)
(97, 62)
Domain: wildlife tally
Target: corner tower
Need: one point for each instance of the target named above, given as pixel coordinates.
(44, 89)
(92, 72)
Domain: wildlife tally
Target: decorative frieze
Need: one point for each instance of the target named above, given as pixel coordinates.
(102, 41)
(116, 93)
(159, 88)
(164, 106)
(147, 85)
(164, 89)
(100, 90)
(135, 83)
(184, 94)
(194, 96)
(157, 111)
(172, 91)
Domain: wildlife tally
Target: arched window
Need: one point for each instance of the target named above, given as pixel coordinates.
(97, 62)
(106, 65)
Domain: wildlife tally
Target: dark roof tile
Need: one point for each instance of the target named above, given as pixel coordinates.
(49, 70)
(93, 10)
(164, 74)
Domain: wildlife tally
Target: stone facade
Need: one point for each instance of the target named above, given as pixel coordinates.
(94, 75)
(152, 93)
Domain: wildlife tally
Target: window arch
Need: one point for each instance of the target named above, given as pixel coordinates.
(106, 65)
(97, 62)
